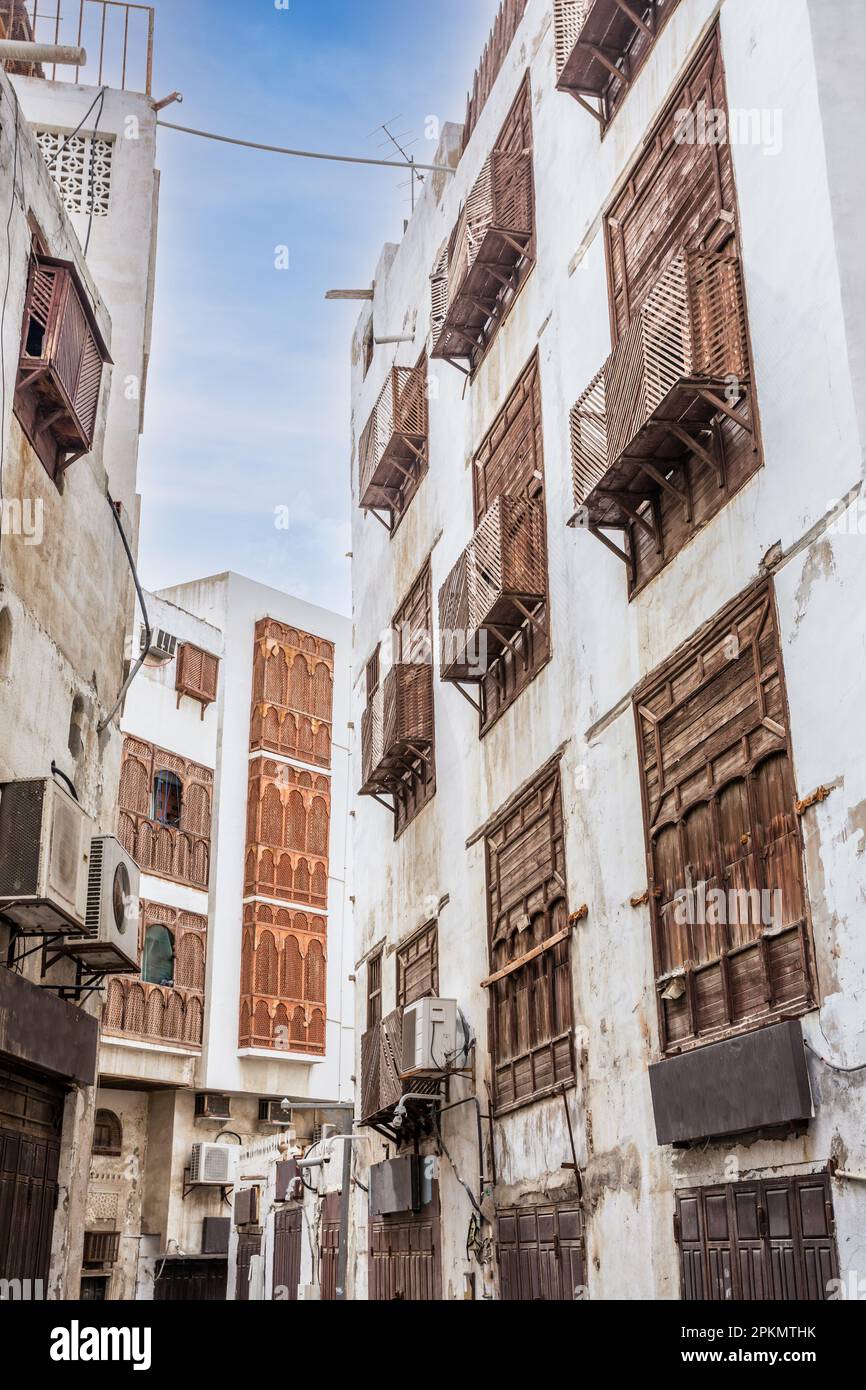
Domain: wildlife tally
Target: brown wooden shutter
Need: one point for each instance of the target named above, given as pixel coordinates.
(530, 1007)
(719, 813)
(540, 1250)
(679, 195)
(418, 966)
(771, 1239)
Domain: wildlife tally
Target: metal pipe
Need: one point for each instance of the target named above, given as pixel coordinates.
(345, 1200)
(18, 51)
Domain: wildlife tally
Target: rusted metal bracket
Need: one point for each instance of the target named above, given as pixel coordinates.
(813, 799)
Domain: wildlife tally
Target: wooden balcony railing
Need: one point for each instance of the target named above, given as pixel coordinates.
(381, 1085)
(117, 36)
(157, 1013)
(682, 361)
(397, 727)
(487, 248)
(394, 443)
(496, 585)
(600, 46)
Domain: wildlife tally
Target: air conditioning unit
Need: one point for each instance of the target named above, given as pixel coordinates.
(429, 1036)
(111, 921)
(44, 854)
(163, 645)
(271, 1112)
(209, 1106)
(213, 1165)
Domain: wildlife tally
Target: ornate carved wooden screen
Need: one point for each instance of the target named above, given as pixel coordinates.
(197, 675)
(393, 448)
(541, 1255)
(530, 1006)
(727, 900)
(172, 1013)
(601, 46)
(492, 247)
(284, 948)
(495, 600)
(177, 852)
(772, 1239)
(293, 693)
(666, 432)
(288, 820)
(283, 979)
(418, 966)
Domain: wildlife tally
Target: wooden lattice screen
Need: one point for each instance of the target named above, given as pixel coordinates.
(530, 1006)
(293, 693)
(726, 888)
(172, 1013)
(180, 853)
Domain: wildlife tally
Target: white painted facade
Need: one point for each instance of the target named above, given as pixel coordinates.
(800, 215)
(159, 1221)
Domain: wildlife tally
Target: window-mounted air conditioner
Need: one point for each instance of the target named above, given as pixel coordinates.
(44, 857)
(429, 1036)
(213, 1165)
(163, 645)
(272, 1112)
(111, 920)
(209, 1106)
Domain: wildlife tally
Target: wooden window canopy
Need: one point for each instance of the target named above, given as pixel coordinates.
(681, 366)
(600, 47)
(394, 443)
(496, 586)
(197, 675)
(397, 729)
(61, 365)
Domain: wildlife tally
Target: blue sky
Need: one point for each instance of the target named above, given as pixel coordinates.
(248, 395)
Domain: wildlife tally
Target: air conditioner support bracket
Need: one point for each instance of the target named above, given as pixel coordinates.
(189, 1187)
(87, 981)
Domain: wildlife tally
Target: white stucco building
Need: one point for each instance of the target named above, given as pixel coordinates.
(234, 802)
(638, 311)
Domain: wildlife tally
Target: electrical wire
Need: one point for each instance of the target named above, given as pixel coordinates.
(834, 1066)
(92, 199)
(100, 96)
(305, 154)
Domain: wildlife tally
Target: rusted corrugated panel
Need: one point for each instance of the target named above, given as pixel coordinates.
(541, 1255)
(771, 1239)
(727, 899)
(530, 1008)
(736, 1086)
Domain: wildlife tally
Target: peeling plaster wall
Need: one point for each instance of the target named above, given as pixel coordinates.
(65, 586)
(799, 265)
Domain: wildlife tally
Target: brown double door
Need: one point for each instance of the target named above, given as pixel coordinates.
(405, 1260)
(770, 1239)
(287, 1254)
(31, 1118)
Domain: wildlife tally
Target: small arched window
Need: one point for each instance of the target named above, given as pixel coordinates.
(107, 1134)
(167, 798)
(157, 965)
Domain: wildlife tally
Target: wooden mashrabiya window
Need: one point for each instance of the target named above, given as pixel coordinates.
(530, 985)
(726, 886)
(293, 693)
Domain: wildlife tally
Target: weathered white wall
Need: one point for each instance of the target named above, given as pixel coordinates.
(804, 329)
(65, 589)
